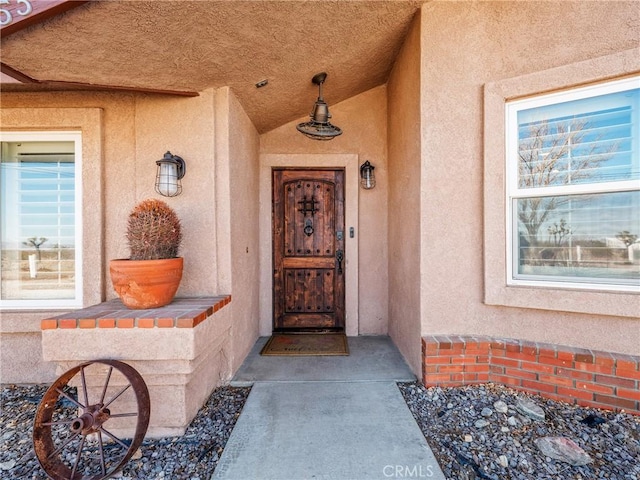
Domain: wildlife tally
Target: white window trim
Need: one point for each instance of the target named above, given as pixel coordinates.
(514, 191)
(496, 290)
(56, 136)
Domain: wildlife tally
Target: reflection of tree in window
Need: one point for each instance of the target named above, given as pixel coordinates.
(36, 242)
(554, 153)
(627, 237)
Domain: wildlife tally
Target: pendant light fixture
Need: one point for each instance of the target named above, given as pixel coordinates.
(319, 128)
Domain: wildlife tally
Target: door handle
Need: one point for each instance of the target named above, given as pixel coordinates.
(339, 259)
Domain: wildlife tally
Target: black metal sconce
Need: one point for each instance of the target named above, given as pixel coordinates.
(171, 169)
(367, 177)
(319, 127)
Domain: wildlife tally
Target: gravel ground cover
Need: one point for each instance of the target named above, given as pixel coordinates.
(192, 456)
(477, 432)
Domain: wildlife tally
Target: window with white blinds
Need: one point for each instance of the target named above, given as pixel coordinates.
(573, 184)
(40, 213)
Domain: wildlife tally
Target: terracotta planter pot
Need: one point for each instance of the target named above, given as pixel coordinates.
(146, 283)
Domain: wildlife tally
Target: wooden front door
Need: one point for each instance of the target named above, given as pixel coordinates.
(308, 250)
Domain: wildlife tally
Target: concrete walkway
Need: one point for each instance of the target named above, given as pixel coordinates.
(330, 418)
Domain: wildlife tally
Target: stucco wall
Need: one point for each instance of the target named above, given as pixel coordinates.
(405, 194)
(136, 130)
(465, 46)
(184, 126)
(244, 146)
(363, 120)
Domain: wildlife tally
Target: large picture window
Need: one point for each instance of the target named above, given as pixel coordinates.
(573, 187)
(40, 219)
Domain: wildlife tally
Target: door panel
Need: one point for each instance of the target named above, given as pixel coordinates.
(308, 241)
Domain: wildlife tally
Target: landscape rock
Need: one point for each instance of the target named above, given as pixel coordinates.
(486, 412)
(529, 408)
(7, 465)
(481, 423)
(563, 449)
(500, 407)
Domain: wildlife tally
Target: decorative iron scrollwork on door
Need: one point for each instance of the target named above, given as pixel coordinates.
(308, 206)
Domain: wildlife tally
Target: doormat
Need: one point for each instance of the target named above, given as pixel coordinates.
(307, 344)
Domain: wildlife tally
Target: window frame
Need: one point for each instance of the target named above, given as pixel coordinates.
(561, 301)
(53, 136)
(513, 191)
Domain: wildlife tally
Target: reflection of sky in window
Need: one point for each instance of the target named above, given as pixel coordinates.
(38, 200)
(605, 130)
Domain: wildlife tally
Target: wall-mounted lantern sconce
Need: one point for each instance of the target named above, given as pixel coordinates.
(367, 177)
(171, 169)
(319, 127)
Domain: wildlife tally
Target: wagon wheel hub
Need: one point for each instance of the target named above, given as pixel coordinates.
(91, 419)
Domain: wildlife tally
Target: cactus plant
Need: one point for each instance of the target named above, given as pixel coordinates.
(153, 231)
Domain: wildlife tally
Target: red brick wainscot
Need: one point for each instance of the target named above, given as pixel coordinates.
(586, 377)
(182, 351)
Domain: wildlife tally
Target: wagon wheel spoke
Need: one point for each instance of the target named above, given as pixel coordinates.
(70, 398)
(106, 384)
(114, 438)
(103, 467)
(84, 386)
(69, 437)
(120, 415)
(117, 396)
(78, 455)
(64, 444)
(59, 422)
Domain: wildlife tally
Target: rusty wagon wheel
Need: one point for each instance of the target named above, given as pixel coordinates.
(91, 421)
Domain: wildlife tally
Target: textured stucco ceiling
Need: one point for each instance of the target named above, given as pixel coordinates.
(194, 45)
